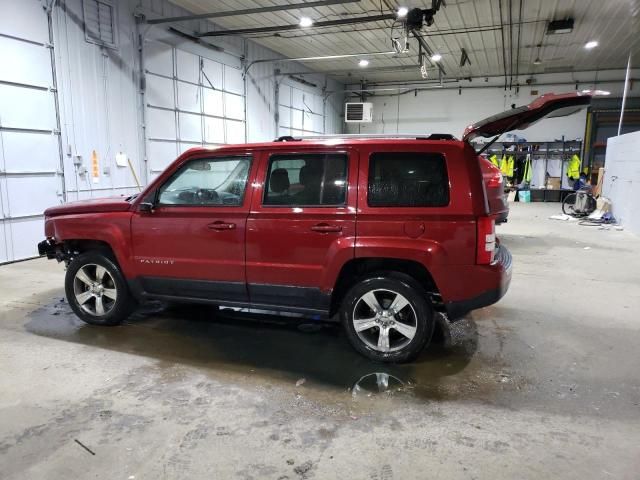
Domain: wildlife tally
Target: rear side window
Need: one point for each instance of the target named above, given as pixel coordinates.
(408, 179)
(307, 180)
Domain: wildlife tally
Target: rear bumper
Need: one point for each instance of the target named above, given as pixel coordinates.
(499, 274)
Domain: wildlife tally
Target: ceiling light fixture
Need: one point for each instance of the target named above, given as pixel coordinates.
(591, 44)
(402, 12)
(436, 57)
(306, 22)
(537, 61)
(363, 63)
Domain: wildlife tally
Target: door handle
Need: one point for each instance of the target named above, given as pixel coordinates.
(326, 228)
(221, 226)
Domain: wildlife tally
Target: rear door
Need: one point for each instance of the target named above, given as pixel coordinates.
(545, 106)
(301, 225)
(192, 243)
(415, 202)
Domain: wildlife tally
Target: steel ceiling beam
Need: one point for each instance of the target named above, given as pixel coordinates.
(248, 11)
(284, 28)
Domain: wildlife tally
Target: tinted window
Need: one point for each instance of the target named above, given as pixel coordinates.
(407, 179)
(306, 180)
(210, 181)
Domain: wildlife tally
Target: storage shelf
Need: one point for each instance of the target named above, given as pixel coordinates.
(549, 151)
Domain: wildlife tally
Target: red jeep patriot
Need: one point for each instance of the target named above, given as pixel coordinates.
(382, 231)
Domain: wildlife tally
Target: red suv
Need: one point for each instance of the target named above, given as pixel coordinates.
(382, 231)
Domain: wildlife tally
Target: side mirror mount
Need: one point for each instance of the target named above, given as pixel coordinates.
(145, 207)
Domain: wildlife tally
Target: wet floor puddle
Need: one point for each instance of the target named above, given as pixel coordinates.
(291, 352)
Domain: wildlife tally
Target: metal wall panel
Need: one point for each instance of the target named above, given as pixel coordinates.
(30, 162)
(191, 100)
(301, 112)
(100, 108)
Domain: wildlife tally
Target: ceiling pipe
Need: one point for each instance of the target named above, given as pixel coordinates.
(362, 72)
(626, 92)
(248, 11)
(532, 85)
(504, 50)
(284, 28)
(434, 85)
(314, 59)
(518, 48)
(510, 44)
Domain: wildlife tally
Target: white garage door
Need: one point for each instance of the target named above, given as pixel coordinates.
(190, 101)
(299, 112)
(30, 162)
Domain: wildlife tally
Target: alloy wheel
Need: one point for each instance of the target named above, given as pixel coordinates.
(384, 320)
(95, 289)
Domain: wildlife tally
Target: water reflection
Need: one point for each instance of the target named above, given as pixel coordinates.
(273, 347)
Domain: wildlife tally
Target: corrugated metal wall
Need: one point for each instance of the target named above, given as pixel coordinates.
(117, 125)
(30, 169)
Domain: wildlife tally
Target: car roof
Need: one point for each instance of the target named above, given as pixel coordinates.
(332, 141)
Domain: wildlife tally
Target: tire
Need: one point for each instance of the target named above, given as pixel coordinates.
(407, 331)
(568, 203)
(96, 289)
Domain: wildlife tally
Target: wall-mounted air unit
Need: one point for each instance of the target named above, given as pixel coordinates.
(358, 112)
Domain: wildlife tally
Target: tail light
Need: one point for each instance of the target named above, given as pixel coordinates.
(495, 180)
(486, 246)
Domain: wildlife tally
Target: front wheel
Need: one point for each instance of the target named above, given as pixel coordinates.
(96, 290)
(388, 318)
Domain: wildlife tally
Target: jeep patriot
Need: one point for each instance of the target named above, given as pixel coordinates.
(379, 233)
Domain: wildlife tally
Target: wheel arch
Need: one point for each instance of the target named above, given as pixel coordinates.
(358, 269)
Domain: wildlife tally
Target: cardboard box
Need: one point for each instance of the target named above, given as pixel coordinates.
(554, 183)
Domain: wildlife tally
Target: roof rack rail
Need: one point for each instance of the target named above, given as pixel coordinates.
(412, 136)
(288, 138)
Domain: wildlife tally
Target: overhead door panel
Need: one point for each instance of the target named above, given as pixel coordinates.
(300, 112)
(30, 160)
(190, 101)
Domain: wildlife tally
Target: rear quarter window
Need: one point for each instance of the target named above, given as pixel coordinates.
(408, 179)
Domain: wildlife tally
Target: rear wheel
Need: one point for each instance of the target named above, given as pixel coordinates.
(388, 318)
(96, 290)
(568, 204)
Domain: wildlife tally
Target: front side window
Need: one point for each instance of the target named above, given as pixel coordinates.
(207, 181)
(408, 179)
(307, 180)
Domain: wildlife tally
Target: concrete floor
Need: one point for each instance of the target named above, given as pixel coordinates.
(544, 384)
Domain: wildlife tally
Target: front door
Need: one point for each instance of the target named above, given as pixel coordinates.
(301, 224)
(192, 243)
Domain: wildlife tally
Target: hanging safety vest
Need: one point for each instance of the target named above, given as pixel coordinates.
(573, 170)
(494, 159)
(527, 169)
(503, 165)
(506, 166)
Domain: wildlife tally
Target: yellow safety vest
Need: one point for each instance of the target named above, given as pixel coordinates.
(494, 159)
(506, 166)
(527, 169)
(573, 171)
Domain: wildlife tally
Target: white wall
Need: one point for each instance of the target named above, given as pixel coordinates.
(101, 106)
(98, 93)
(446, 110)
(622, 179)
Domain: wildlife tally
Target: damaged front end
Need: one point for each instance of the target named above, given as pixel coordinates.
(59, 251)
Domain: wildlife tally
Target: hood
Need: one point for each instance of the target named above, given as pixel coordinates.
(94, 205)
(546, 106)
